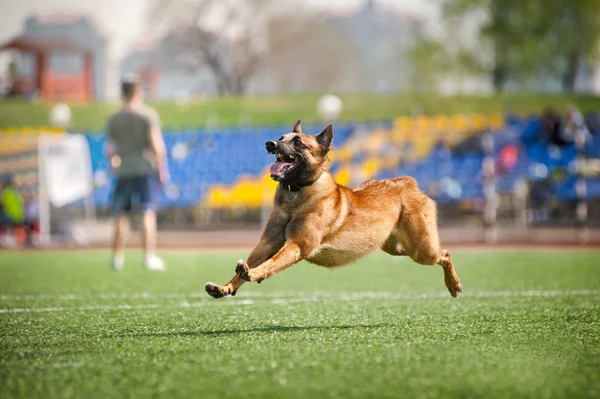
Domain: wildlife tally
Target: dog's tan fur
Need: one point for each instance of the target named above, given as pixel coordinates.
(331, 225)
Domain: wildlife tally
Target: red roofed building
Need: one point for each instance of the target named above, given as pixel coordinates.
(73, 85)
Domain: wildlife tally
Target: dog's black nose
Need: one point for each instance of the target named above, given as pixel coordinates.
(271, 145)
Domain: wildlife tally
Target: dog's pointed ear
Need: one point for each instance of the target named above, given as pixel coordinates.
(298, 126)
(325, 138)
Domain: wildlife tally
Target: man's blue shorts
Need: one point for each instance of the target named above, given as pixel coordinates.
(135, 193)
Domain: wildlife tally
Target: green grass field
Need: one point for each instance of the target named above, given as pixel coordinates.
(286, 109)
(527, 326)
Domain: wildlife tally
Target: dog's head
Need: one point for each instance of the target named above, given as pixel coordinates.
(301, 158)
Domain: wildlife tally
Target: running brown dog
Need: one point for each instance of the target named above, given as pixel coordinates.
(327, 224)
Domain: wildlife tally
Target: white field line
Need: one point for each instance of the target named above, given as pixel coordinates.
(141, 295)
(288, 294)
(352, 296)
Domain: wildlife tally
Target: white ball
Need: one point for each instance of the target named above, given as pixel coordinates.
(180, 151)
(172, 191)
(60, 115)
(329, 107)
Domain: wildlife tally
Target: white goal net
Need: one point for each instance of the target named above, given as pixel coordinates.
(52, 172)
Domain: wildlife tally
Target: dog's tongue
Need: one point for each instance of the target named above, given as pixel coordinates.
(279, 168)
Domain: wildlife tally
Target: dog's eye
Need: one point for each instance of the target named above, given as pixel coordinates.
(297, 142)
(281, 138)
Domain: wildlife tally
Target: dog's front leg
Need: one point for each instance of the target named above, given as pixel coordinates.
(263, 251)
(271, 241)
(289, 254)
(303, 239)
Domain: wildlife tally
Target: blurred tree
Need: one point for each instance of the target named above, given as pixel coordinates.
(507, 30)
(239, 40)
(529, 38)
(571, 32)
(311, 55)
(430, 61)
(433, 62)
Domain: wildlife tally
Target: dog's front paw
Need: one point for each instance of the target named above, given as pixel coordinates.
(243, 270)
(214, 290)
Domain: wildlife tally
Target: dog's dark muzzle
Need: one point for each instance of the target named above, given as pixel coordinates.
(271, 146)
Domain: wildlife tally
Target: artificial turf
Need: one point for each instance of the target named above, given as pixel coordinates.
(527, 325)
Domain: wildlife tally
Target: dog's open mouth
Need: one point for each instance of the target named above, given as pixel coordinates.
(283, 164)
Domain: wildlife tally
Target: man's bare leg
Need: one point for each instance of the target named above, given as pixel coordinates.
(152, 261)
(120, 236)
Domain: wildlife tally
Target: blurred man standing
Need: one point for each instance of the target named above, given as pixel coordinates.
(136, 151)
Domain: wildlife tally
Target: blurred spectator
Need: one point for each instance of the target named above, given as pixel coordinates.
(592, 120)
(507, 158)
(553, 129)
(11, 202)
(576, 122)
(32, 216)
(11, 208)
(16, 212)
(471, 144)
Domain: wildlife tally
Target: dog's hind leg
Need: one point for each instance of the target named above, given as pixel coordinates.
(393, 247)
(417, 235)
(450, 277)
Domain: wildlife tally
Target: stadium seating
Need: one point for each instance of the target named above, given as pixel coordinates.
(222, 168)
(228, 167)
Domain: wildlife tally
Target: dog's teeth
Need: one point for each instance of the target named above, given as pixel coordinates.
(291, 156)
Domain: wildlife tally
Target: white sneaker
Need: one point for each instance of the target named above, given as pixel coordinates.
(117, 262)
(153, 262)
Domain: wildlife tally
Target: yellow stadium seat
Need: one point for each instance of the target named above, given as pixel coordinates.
(442, 123)
(370, 167)
(497, 121)
(390, 163)
(218, 195)
(424, 124)
(479, 122)
(399, 135)
(246, 192)
(343, 176)
(266, 179)
(461, 122)
(341, 154)
(403, 124)
(31, 178)
(375, 142)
